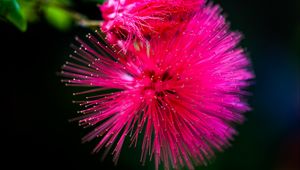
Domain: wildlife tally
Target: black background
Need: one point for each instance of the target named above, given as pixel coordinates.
(36, 105)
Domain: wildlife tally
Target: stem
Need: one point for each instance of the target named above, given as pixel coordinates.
(83, 21)
(89, 23)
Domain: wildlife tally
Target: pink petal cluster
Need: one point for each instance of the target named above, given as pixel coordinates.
(183, 93)
(127, 20)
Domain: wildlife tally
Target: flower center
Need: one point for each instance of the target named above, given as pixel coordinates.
(154, 85)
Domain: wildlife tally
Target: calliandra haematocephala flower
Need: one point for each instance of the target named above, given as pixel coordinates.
(139, 20)
(181, 96)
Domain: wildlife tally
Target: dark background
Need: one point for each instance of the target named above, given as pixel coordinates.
(36, 108)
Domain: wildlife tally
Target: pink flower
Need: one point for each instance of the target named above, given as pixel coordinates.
(126, 20)
(183, 93)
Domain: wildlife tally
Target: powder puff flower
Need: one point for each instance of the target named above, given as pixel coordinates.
(127, 20)
(180, 95)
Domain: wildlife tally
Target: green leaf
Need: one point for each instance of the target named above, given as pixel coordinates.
(10, 10)
(58, 17)
(30, 10)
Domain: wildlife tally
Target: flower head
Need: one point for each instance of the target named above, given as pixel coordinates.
(127, 20)
(184, 93)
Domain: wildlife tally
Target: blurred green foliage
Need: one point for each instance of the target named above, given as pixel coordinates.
(57, 13)
(11, 11)
(58, 17)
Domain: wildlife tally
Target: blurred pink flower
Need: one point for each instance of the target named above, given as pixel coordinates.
(183, 93)
(127, 20)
